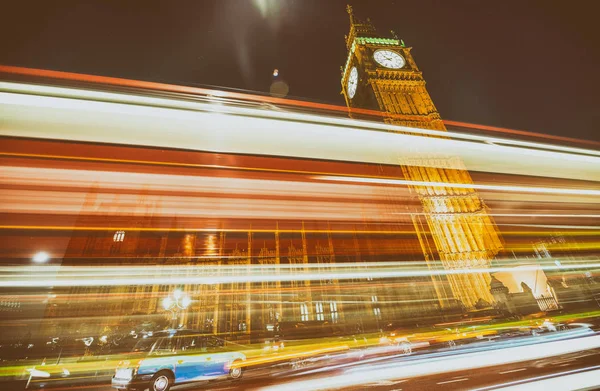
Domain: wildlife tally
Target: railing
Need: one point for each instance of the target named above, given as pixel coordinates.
(547, 303)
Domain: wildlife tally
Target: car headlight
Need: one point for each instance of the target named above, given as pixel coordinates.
(37, 373)
(124, 373)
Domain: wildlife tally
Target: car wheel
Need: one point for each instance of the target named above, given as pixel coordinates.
(236, 372)
(162, 381)
(405, 347)
(299, 363)
(451, 344)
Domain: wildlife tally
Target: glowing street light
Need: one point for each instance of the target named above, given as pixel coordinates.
(175, 304)
(41, 257)
(167, 303)
(177, 293)
(186, 301)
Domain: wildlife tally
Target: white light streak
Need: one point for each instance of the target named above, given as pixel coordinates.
(198, 105)
(84, 115)
(453, 363)
(536, 215)
(146, 276)
(519, 189)
(545, 215)
(577, 379)
(553, 226)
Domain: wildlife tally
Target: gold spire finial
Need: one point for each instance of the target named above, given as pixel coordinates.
(350, 12)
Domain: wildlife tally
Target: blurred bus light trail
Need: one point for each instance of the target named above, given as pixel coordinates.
(110, 122)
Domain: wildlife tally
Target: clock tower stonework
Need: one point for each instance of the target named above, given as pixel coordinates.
(381, 74)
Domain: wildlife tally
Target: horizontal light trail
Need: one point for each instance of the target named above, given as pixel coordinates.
(37, 190)
(512, 370)
(553, 226)
(497, 129)
(460, 362)
(577, 379)
(271, 230)
(150, 121)
(337, 265)
(160, 276)
(199, 206)
(200, 266)
(154, 87)
(535, 215)
(566, 215)
(158, 163)
(214, 230)
(106, 179)
(251, 186)
(86, 94)
(519, 189)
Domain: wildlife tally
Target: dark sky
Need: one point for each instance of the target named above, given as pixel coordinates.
(530, 65)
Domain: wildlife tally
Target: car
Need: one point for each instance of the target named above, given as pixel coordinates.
(176, 357)
(435, 338)
(61, 362)
(549, 327)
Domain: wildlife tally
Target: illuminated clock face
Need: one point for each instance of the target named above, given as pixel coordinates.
(352, 82)
(389, 59)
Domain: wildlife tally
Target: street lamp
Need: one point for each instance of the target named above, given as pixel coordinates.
(175, 304)
(41, 257)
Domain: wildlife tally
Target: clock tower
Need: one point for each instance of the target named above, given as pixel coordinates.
(381, 74)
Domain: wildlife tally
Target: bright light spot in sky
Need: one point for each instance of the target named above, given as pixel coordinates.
(262, 6)
(275, 72)
(267, 7)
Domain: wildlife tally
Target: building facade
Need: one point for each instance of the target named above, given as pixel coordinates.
(447, 223)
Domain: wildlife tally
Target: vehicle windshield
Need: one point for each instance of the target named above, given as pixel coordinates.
(144, 344)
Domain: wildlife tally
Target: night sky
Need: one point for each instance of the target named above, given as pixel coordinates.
(530, 65)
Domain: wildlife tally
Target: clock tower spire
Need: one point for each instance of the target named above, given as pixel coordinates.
(380, 74)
